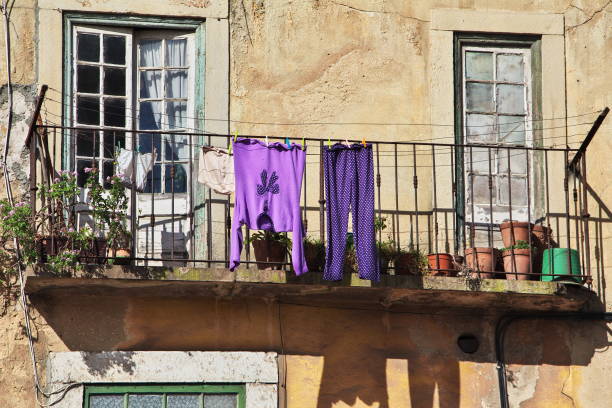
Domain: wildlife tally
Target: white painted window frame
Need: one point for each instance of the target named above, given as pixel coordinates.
(527, 82)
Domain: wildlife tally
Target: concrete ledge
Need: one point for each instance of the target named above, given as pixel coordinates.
(438, 294)
(497, 21)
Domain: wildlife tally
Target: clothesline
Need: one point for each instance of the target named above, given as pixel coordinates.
(329, 123)
(311, 139)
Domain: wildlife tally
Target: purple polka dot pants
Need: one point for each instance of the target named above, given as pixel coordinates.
(349, 185)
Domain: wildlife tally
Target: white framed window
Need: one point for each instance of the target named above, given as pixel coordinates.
(496, 98)
(126, 78)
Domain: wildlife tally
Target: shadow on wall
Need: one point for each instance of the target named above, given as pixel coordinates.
(368, 358)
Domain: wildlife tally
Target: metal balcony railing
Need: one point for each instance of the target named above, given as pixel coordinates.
(449, 201)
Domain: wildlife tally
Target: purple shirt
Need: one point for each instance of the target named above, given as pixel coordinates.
(268, 185)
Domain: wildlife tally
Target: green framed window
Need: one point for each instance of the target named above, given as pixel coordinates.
(164, 396)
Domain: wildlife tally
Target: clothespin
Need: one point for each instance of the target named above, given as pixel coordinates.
(346, 142)
(229, 145)
(329, 144)
(288, 143)
(363, 142)
(267, 141)
(235, 136)
(303, 143)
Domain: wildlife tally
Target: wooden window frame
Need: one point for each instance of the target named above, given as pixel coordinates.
(492, 40)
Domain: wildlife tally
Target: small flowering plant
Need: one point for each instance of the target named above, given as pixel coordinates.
(109, 207)
(16, 222)
(59, 203)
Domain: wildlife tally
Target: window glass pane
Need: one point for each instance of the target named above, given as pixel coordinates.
(177, 147)
(150, 84)
(510, 99)
(88, 47)
(88, 110)
(87, 143)
(108, 169)
(176, 84)
(518, 194)
(479, 185)
(480, 128)
(479, 97)
(114, 49)
(149, 141)
(154, 178)
(176, 53)
(518, 161)
(220, 401)
(144, 401)
(113, 141)
(80, 169)
(150, 53)
(510, 67)
(180, 178)
(114, 112)
(106, 401)
(479, 65)
(88, 78)
(176, 112)
(149, 116)
(114, 81)
(183, 401)
(511, 129)
(480, 159)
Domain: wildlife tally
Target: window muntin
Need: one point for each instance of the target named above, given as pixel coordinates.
(164, 396)
(496, 90)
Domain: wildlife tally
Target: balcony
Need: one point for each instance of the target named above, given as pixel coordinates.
(448, 201)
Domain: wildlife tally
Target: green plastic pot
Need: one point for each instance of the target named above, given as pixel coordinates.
(555, 262)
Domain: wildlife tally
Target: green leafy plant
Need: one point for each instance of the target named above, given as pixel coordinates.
(416, 260)
(16, 221)
(109, 207)
(270, 236)
(520, 244)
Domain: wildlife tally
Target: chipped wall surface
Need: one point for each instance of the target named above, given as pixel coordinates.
(349, 61)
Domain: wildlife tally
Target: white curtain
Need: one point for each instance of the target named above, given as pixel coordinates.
(176, 82)
(150, 84)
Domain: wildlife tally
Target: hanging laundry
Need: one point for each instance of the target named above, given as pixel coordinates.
(144, 163)
(349, 185)
(268, 185)
(216, 169)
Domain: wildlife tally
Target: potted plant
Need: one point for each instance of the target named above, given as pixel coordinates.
(109, 209)
(314, 252)
(59, 243)
(514, 231)
(350, 256)
(482, 261)
(410, 262)
(442, 264)
(386, 249)
(386, 253)
(270, 248)
(517, 261)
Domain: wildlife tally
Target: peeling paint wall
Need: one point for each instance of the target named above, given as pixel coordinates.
(333, 61)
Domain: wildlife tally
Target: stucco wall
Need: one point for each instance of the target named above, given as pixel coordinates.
(332, 61)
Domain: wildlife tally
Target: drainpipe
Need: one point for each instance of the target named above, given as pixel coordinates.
(505, 321)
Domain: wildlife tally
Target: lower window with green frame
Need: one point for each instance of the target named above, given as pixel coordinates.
(164, 396)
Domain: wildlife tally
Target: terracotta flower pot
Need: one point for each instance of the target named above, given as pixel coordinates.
(518, 263)
(441, 265)
(120, 256)
(542, 240)
(482, 261)
(514, 231)
(268, 251)
(406, 264)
